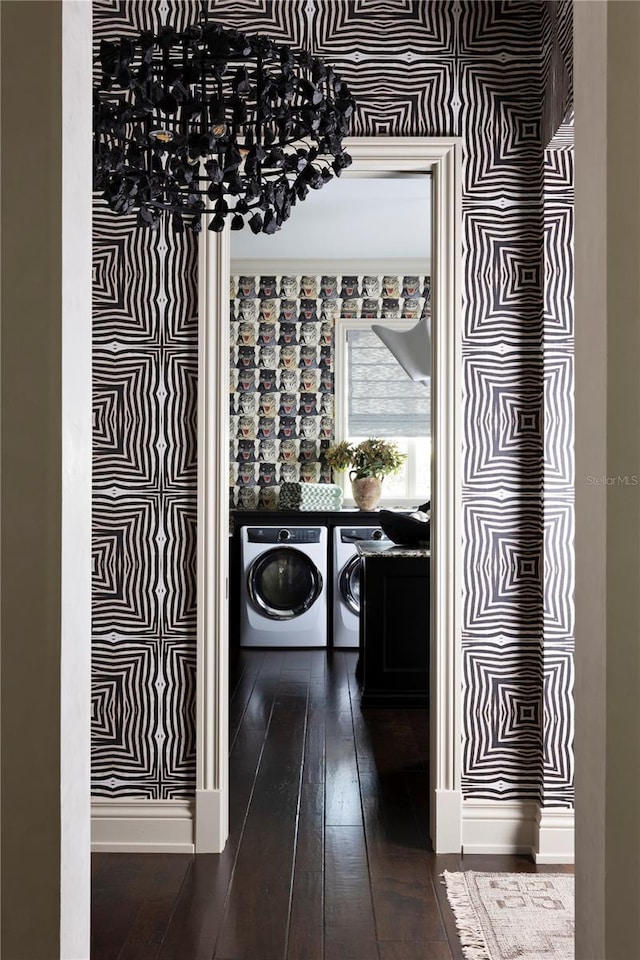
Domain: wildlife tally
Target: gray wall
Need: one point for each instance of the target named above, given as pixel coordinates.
(607, 497)
(31, 506)
(46, 462)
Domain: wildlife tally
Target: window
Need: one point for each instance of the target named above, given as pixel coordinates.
(376, 398)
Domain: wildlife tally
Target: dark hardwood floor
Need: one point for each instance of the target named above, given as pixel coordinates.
(328, 855)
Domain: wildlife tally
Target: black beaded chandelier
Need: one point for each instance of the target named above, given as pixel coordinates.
(209, 112)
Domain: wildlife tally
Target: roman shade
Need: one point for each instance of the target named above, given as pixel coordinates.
(382, 400)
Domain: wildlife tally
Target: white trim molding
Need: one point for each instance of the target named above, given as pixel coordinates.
(75, 555)
(212, 725)
(441, 157)
(555, 835)
(518, 827)
(499, 826)
(446, 806)
(142, 826)
(446, 494)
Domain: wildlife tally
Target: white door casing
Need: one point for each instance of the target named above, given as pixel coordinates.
(212, 668)
(441, 157)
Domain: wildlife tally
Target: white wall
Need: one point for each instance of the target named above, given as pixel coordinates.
(351, 218)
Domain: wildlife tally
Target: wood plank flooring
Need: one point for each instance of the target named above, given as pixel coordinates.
(328, 855)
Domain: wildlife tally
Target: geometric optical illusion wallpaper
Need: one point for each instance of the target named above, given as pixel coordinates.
(498, 75)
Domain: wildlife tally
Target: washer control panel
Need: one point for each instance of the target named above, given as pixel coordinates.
(283, 534)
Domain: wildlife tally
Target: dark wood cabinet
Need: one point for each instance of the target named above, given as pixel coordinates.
(394, 630)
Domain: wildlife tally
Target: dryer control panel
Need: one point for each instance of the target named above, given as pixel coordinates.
(356, 534)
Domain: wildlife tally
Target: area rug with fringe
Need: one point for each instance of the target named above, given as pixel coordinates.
(513, 916)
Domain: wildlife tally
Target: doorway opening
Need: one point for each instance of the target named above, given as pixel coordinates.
(373, 158)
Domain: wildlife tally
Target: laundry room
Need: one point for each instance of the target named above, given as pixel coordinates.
(330, 422)
(330, 477)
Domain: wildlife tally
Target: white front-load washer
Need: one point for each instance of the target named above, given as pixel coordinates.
(346, 582)
(284, 586)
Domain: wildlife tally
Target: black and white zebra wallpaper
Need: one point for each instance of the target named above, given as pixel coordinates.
(144, 511)
(558, 476)
(483, 71)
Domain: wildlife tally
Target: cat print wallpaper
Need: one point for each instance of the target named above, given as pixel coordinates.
(282, 371)
(497, 74)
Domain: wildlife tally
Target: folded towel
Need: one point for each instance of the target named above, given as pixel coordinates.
(311, 490)
(310, 496)
(318, 501)
(309, 507)
(300, 486)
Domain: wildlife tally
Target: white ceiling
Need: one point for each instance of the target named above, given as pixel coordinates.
(351, 218)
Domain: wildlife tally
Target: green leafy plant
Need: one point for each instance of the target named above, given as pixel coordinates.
(369, 458)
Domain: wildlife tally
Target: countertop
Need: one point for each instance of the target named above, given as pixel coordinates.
(305, 518)
(380, 548)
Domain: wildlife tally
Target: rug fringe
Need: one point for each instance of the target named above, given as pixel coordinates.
(473, 944)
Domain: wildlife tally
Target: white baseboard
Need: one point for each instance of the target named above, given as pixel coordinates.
(446, 821)
(142, 826)
(555, 836)
(488, 827)
(497, 826)
(212, 822)
(517, 826)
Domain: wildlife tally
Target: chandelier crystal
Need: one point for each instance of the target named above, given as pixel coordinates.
(211, 113)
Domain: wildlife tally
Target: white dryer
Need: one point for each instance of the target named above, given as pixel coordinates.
(284, 586)
(346, 582)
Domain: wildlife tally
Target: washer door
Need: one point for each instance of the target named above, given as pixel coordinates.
(350, 583)
(283, 583)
